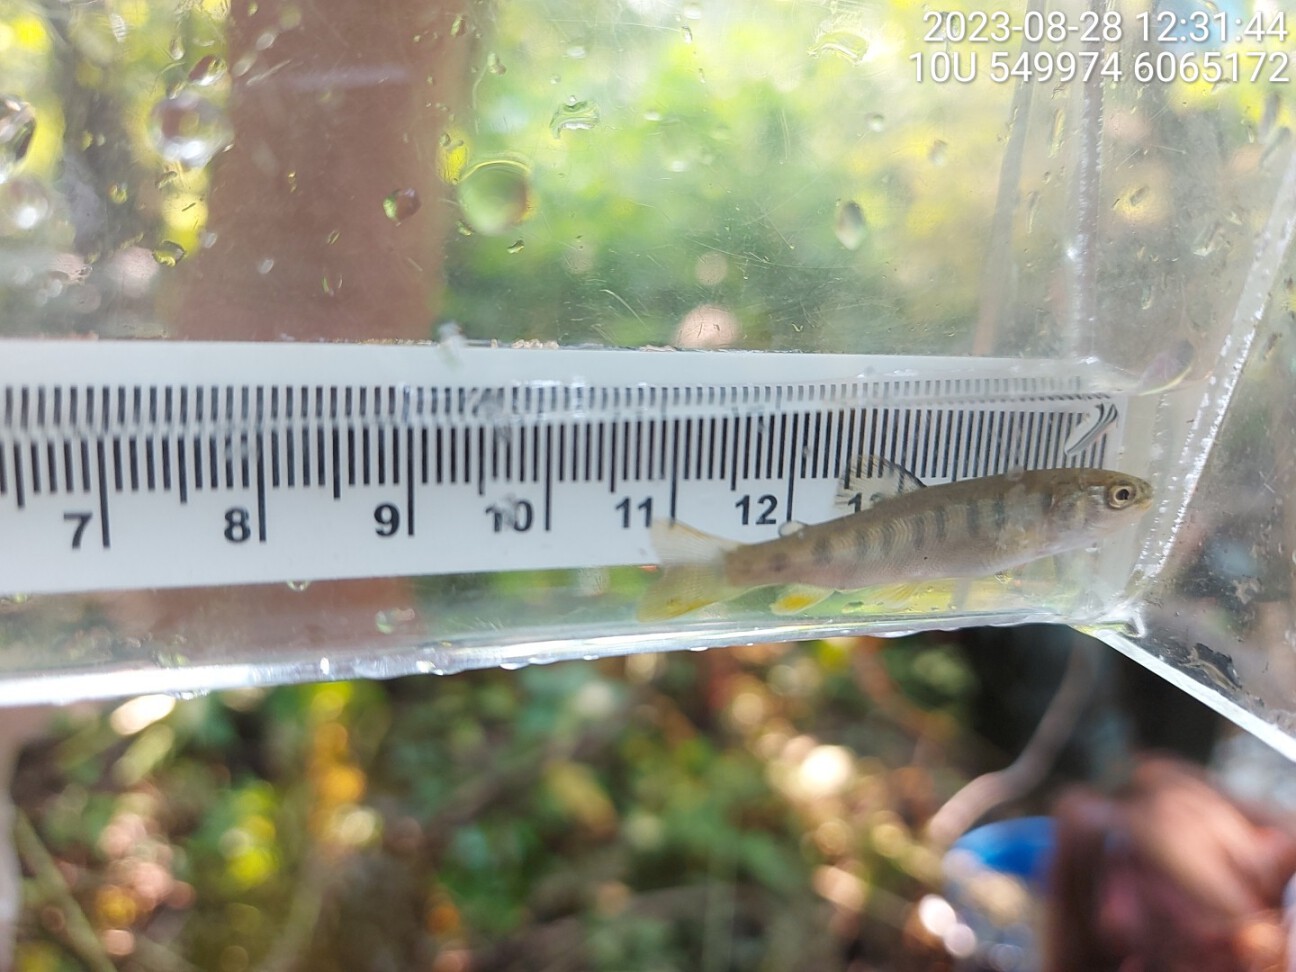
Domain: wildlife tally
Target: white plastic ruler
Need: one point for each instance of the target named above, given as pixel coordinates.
(170, 464)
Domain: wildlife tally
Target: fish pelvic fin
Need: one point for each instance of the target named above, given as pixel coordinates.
(684, 588)
(693, 573)
(799, 597)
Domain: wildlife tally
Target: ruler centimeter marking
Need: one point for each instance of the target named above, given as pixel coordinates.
(177, 473)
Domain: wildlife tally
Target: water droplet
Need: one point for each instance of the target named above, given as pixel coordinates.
(333, 237)
(265, 266)
(938, 154)
(1208, 241)
(574, 115)
(168, 253)
(494, 65)
(176, 49)
(843, 43)
(17, 128)
(451, 342)
(516, 247)
(394, 619)
(496, 196)
(118, 193)
(401, 204)
(450, 338)
(24, 204)
(876, 122)
(208, 70)
(1270, 345)
(452, 158)
(1138, 196)
(576, 52)
(188, 129)
(244, 64)
(1276, 143)
(688, 35)
(458, 25)
(1058, 134)
(298, 586)
(850, 226)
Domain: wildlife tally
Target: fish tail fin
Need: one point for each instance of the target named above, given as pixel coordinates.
(693, 573)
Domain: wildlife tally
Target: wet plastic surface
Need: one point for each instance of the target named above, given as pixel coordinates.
(742, 175)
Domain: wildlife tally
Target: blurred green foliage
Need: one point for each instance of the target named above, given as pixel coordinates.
(719, 811)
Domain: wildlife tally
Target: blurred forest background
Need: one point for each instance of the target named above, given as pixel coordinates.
(753, 808)
(744, 809)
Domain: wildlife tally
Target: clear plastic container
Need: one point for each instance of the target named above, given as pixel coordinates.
(1058, 192)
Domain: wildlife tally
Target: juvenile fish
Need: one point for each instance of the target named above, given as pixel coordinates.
(971, 528)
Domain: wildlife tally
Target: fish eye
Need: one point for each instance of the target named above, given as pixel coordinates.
(1120, 496)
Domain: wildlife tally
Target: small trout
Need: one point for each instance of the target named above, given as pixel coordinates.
(971, 528)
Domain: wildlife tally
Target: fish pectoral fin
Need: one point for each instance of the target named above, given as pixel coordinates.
(886, 597)
(799, 597)
(870, 480)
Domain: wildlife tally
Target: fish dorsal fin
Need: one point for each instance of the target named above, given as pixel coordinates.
(790, 527)
(677, 543)
(870, 480)
(1088, 430)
